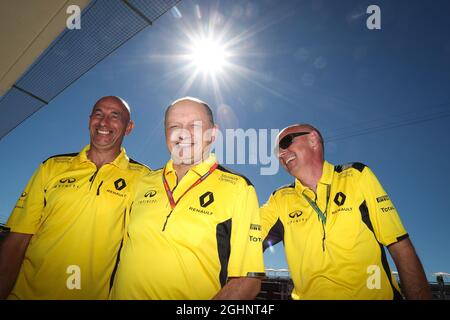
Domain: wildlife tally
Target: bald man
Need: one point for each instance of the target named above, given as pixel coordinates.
(68, 224)
(335, 221)
(194, 230)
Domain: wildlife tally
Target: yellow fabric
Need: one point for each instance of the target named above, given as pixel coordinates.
(76, 216)
(346, 264)
(176, 255)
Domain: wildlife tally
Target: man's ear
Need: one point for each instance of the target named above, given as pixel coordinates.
(214, 131)
(315, 139)
(130, 127)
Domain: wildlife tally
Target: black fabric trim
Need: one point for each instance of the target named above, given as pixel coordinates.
(358, 166)
(137, 162)
(62, 155)
(291, 185)
(366, 219)
(355, 165)
(275, 235)
(222, 168)
(402, 237)
(223, 237)
(113, 275)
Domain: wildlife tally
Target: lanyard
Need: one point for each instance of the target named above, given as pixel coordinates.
(322, 216)
(169, 193)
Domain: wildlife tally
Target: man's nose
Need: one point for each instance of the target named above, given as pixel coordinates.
(104, 121)
(181, 134)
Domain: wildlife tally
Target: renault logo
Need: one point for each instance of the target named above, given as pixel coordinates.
(120, 184)
(339, 199)
(206, 199)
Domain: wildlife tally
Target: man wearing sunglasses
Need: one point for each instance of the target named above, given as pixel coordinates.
(335, 221)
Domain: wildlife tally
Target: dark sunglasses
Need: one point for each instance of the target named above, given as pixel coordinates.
(287, 139)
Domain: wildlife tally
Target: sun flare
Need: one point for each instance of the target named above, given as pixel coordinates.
(208, 56)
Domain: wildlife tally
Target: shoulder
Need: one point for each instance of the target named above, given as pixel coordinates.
(234, 176)
(150, 175)
(61, 158)
(285, 187)
(358, 166)
(137, 166)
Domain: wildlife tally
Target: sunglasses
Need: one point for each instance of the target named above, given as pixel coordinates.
(289, 138)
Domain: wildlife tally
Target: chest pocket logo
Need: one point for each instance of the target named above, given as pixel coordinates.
(120, 184)
(150, 194)
(206, 199)
(339, 199)
(295, 214)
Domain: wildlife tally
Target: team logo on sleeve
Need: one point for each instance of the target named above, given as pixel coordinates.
(383, 198)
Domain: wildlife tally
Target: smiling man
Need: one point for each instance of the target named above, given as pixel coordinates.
(194, 228)
(334, 221)
(67, 226)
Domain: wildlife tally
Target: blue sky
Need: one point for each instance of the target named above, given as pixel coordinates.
(380, 97)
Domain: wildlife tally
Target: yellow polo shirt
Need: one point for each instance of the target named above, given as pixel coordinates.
(76, 215)
(344, 257)
(189, 252)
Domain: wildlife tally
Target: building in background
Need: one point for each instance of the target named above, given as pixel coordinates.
(278, 285)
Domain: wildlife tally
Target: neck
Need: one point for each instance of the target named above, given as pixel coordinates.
(100, 157)
(181, 170)
(310, 176)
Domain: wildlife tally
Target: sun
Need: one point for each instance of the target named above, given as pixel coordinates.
(208, 56)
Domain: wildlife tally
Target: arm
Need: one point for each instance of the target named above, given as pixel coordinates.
(271, 226)
(246, 263)
(412, 277)
(12, 252)
(241, 288)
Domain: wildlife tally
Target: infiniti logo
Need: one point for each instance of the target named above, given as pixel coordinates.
(295, 214)
(150, 194)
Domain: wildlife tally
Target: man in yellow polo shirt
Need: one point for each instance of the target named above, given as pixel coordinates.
(194, 230)
(67, 225)
(334, 222)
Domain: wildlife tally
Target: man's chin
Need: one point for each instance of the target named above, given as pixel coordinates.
(181, 161)
(186, 161)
